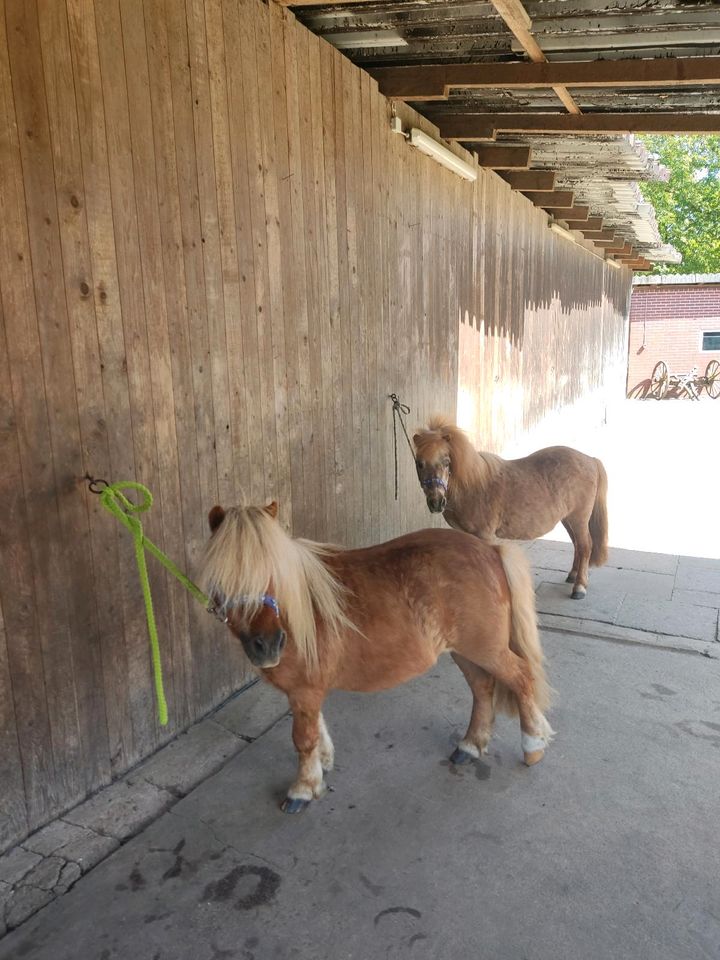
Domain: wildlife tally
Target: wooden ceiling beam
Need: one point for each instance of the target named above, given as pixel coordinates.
(433, 82)
(519, 23)
(558, 198)
(592, 223)
(484, 126)
(569, 213)
(504, 158)
(317, 3)
(537, 180)
(596, 235)
(620, 250)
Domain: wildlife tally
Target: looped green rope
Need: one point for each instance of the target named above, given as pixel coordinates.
(116, 503)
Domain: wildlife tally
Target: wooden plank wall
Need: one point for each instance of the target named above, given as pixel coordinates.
(216, 261)
(544, 329)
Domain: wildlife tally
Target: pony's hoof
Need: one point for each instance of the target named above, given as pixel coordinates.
(570, 578)
(578, 594)
(460, 756)
(294, 805)
(535, 756)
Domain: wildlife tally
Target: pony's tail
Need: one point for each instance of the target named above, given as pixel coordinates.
(599, 521)
(524, 639)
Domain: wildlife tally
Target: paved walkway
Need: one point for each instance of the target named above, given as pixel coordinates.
(671, 596)
(607, 849)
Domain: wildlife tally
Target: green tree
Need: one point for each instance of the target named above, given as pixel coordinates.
(688, 205)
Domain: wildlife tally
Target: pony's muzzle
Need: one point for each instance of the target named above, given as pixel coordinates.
(264, 649)
(436, 504)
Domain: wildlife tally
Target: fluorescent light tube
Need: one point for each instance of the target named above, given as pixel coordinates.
(365, 40)
(425, 144)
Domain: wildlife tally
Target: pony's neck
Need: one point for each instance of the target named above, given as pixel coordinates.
(476, 468)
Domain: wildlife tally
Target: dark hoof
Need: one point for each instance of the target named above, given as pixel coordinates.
(460, 756)
(578, 595)
(570, 578)
(294, 805)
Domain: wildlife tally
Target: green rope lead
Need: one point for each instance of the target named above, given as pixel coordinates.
(116, 503)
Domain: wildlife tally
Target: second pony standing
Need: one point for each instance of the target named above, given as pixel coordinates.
(496, 499)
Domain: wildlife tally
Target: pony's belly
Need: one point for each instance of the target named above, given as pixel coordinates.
(527, 532)
(384, 675)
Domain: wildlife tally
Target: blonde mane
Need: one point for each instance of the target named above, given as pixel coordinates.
(249, 551)
(468, 465)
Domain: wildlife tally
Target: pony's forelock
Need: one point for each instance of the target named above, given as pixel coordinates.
(467, 465)
(250, 550)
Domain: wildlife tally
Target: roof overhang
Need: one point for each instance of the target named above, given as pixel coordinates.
(568, 80)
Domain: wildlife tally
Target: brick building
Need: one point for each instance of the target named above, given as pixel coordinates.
(675, 318)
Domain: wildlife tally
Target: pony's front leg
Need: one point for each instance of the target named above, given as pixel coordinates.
(310, 737)
(327, 750)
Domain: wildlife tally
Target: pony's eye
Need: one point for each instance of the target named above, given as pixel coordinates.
(419, 464)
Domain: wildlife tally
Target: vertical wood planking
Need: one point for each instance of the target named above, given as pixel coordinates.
(135, 362)
(156, 394)
(13, 813)
(75, 453)
(26, 473)
(272, 121)
(55, 446)
(110, 577)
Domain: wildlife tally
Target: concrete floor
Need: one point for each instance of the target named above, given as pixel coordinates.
(607, 849)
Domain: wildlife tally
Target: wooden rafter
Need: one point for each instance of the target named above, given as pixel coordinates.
(558, 198)
(504, 158)
(519, 23)
(569, 213)
(596, 235)
(530, 179)
(317, 3)
(484, 126)
(434, 82)
(592, 223)
(620, 250)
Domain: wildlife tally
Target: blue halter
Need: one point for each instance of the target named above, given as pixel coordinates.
(266, 599)
(434, 482)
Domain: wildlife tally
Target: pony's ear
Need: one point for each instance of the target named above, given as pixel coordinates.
(215, 518)
(272, 509)
(446, 437)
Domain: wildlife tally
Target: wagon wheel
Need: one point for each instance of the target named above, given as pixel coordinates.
(712, 379)
(659, 380)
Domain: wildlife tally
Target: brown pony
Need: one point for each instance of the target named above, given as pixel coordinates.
(313, 617)
(497, 499)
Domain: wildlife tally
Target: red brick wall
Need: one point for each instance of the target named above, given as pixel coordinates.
(667, 323)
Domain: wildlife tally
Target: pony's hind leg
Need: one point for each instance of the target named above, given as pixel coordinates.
(583, 545)
(572, 576)
(479, 730)
(514, 673)
(311, 741)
